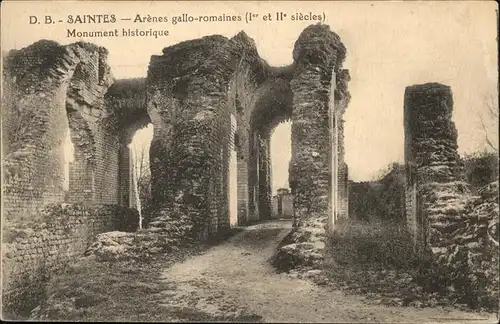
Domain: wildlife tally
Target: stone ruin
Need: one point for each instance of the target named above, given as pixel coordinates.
(205, 98)
(458, 231)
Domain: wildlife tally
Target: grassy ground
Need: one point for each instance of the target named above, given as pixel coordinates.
(128, 290)
(377, 260)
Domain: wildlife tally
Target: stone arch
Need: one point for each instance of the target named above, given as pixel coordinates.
(273, 106)
(192, 90)
(40, 81)
(245, 89)
(126, 101)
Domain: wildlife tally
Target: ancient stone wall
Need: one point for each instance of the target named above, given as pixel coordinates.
(431, 157)
(444, 219)
(241, 90)
(317, 54)
(42, 246)
(52, 90)
(243, 95)
(187, 103)
(189, 95)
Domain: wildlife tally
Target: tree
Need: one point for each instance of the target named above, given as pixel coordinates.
(489, 123)
(141, 161)
(142, 174)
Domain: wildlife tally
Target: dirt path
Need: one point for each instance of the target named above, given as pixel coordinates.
(236, 279)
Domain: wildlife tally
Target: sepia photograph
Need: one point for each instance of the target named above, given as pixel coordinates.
(250, 161)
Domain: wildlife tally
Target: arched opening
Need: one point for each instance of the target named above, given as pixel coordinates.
(126, 102)
(270, 151)
(141, 172)
(281, 153)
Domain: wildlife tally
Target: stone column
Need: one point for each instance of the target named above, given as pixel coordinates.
(264, 185)
(254, 176)
(341, 100)
(243, 192)
(433, 170)
(187, 89)
(318, 52)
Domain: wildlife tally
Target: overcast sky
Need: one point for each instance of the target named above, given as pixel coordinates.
(390, 46)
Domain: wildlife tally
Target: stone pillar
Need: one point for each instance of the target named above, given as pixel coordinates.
(433, 169)
(341, 100)
(264, 184)
(254, 177)
(243, 192)
(342, 191)
(187, 102)
(318, 52)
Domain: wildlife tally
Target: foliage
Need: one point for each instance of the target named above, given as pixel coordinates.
(33, 290)
(378, 260)
(481, 168)
(489, 123)
(379, 200)
(382, 245)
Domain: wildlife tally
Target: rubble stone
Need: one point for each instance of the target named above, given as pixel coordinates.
(446, 221)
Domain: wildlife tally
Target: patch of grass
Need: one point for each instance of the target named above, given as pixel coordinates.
(378, 261)
(25, 294)
(107, 291)
(373, 245)
(126, 290)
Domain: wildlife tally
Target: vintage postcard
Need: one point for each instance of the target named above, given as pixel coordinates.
(250, 161)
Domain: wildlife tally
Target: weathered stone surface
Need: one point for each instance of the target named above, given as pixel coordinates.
(430, 147)
(192, 95)
(121, 246)
(458, 231)
(36, 247)
(317, 53)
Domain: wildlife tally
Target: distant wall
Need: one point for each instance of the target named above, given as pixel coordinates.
(274, 207)
(287, 206)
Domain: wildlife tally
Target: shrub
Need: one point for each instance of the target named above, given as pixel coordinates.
(481, 168)
(380, 200)
(381, 245)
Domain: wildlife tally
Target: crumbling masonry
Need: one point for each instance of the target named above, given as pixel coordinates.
(193, 90)
(204, 97)
(459, 231)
